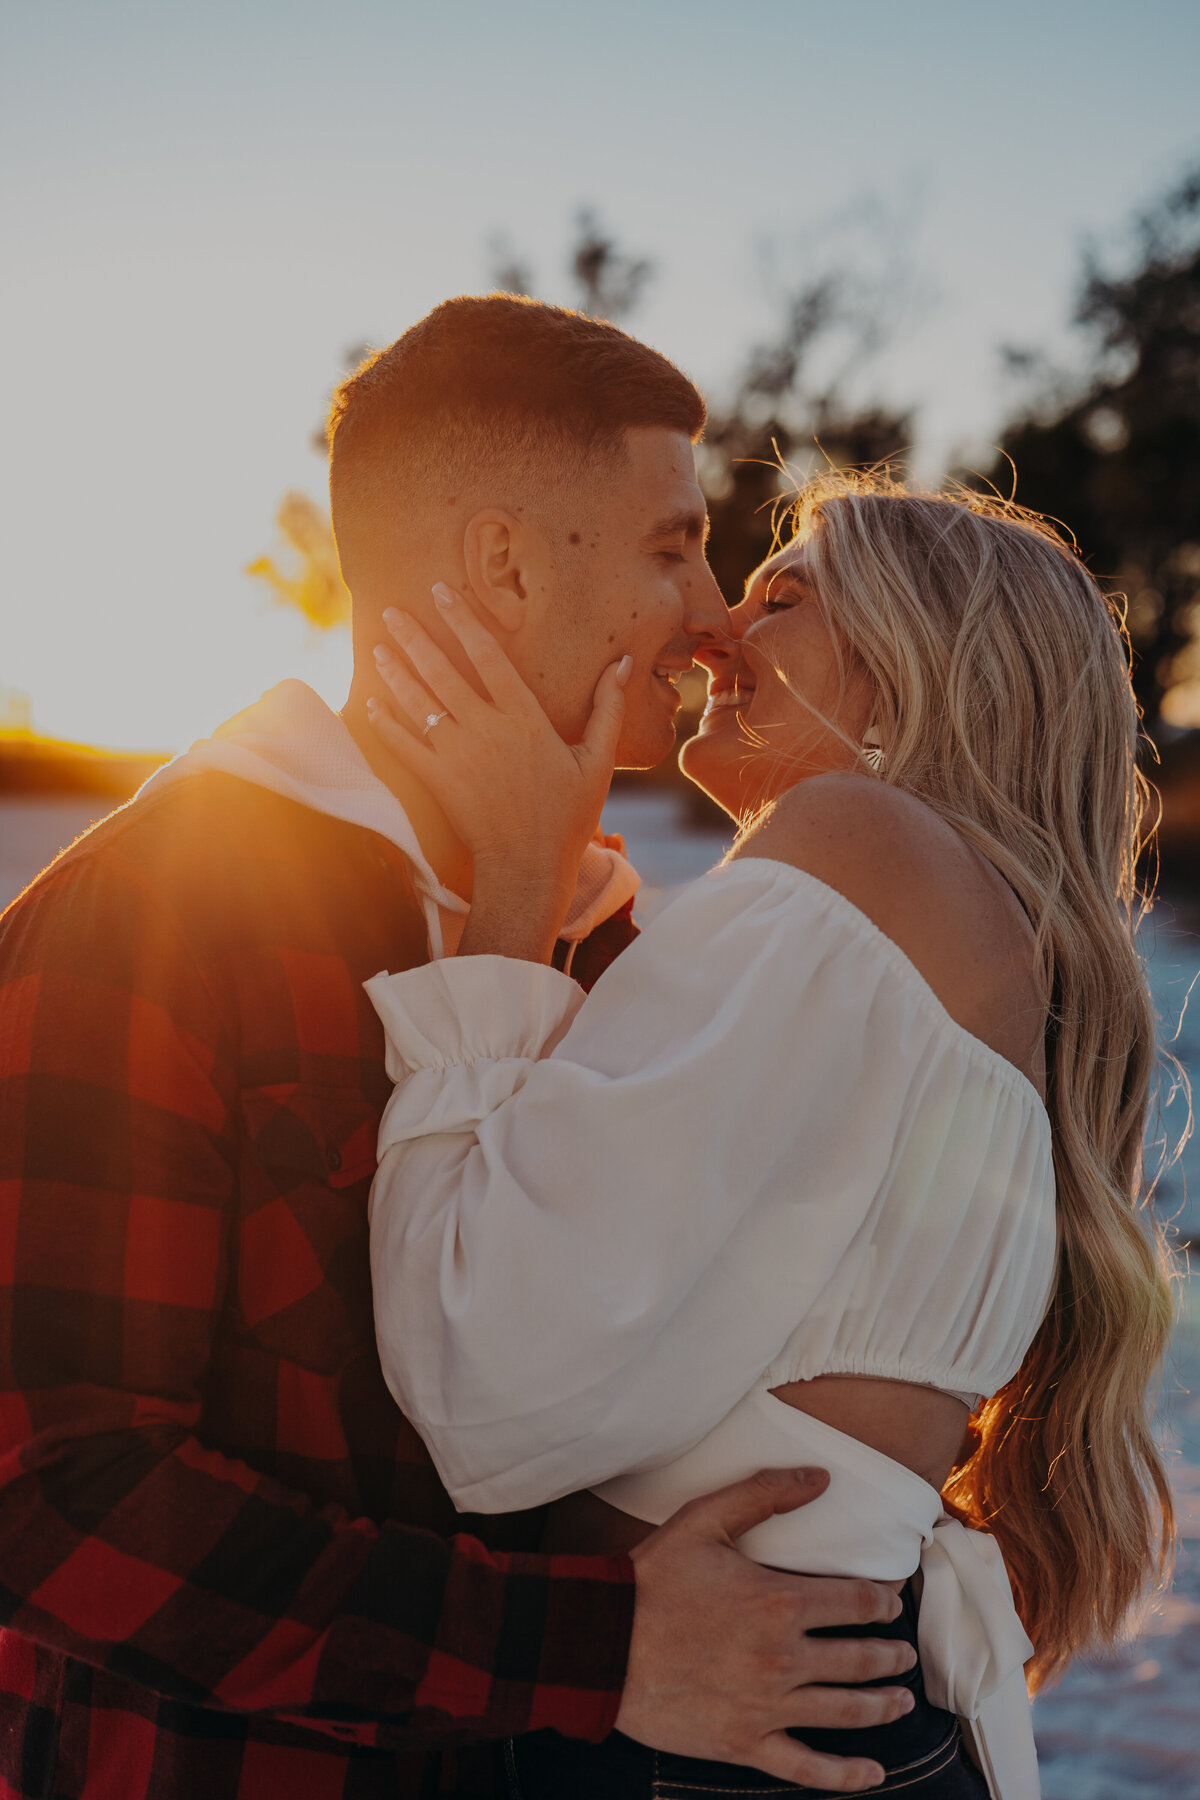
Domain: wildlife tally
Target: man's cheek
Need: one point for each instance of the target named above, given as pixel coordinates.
(657, 615)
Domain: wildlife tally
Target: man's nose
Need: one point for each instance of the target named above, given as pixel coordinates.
(705, 614)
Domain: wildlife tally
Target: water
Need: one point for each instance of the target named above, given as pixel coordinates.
(35, 827)
(1125, 1727)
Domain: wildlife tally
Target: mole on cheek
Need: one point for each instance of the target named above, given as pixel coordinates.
(612, 637)
(633, 615)
(573, 537)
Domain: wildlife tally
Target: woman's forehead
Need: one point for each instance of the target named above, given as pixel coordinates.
(790, 560)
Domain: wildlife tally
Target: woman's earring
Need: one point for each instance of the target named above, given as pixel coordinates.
(872, 746)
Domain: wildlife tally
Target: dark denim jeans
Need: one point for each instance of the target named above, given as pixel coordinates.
(922, 1754)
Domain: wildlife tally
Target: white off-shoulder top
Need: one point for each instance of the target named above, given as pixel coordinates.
(760, 1151)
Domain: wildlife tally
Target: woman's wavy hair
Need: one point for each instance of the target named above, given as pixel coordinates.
(1004, 702)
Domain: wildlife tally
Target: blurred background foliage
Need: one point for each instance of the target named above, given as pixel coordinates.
(1115, 455)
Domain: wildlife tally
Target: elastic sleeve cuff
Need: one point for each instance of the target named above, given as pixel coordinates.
(466, 1009)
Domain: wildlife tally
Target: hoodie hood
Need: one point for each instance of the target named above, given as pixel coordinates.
(295, 745)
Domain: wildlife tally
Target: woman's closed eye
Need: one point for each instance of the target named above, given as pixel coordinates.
(784, 592)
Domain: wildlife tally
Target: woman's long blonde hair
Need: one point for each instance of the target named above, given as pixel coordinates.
(1004, 702)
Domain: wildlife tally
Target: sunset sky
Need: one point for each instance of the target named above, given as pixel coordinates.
(205, 205)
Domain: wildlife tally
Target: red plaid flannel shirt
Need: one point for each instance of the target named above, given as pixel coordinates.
(227, 1565)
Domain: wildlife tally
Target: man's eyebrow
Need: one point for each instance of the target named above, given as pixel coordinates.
(693, 521)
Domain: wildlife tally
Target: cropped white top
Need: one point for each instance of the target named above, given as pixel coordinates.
(759, 1152)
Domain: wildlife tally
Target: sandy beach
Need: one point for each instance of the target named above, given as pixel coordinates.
(1125, 1727)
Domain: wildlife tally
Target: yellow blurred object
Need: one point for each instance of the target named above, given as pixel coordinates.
(316, 589)
(1181, 704)
(16, 711)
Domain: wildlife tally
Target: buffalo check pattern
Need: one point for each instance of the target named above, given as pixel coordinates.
(227, 1565)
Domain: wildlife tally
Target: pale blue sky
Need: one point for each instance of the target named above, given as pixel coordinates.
(206, 203)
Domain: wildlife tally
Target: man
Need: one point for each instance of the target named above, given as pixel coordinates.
(228, 1565)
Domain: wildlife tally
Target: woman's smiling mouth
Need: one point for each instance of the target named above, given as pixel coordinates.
(728, 696)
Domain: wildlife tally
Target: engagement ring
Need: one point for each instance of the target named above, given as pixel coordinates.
(431, 720)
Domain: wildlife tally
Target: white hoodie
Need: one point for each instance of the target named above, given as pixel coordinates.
(295, 745)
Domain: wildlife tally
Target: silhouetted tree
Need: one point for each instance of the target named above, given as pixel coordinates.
(784, 420)
(610, 283)
(1117, 458)
(607, 282)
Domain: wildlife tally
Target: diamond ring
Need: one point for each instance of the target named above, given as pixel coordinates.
(432, 719)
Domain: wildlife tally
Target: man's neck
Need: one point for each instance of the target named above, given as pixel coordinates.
(445, 852)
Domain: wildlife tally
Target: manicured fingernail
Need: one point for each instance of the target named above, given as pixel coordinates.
(624, 670)
(382, 654)
(906, 1702)
(808, 1476)
(372, 706)
(394, 619)
(443, 595)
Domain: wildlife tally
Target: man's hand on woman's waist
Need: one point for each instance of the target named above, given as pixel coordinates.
(721, 1665)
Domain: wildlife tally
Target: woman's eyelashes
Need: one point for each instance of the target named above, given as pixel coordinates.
(783, 595)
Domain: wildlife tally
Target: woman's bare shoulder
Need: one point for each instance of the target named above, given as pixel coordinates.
(885, 850)
(925, 887)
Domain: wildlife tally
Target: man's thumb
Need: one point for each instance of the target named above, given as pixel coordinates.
(733, 1510)
(608, 711)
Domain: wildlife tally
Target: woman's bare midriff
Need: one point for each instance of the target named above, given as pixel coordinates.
(916, 1426)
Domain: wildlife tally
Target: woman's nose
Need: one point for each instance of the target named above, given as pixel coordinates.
(741, 617)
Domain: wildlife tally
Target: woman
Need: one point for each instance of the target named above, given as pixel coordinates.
(844, 1153)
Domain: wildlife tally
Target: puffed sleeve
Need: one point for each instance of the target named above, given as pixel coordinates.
(596, 1221)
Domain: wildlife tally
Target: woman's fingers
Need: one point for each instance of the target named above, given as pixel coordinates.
(509, 785)
(411, 696)
(403, 744)
(432, 664)
(603, 729)
(495, 670)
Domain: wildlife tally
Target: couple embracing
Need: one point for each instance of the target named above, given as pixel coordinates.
(457, 1345)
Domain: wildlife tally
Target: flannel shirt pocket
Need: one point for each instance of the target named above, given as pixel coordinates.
(298, 1133)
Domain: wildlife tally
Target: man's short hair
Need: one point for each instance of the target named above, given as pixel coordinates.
(491, 399)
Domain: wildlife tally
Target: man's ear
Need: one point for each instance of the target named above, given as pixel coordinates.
(496, 548)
